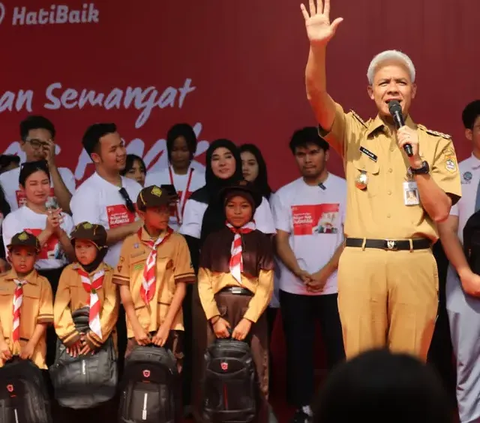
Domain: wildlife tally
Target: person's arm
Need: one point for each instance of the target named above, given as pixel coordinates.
(262, 296)
(108, 315)
(440, 188)
(66, 244)
(61, 191)
(320, 278)
(62, 315)
(176, 304)
(285, 253)
(320, 31)
(455, 254)
(119, 234)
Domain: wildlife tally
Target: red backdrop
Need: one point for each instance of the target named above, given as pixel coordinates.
(245, 59)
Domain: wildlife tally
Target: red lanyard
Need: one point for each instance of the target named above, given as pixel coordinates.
(183, 199)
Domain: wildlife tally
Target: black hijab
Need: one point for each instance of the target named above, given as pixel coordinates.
(214, 217)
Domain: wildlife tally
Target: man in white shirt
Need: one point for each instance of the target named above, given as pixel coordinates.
(463, 285)
(309, 214)
(182, 172)
(107, 198)
(37, 136)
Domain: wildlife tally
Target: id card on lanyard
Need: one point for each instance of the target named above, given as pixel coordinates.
(180, 206)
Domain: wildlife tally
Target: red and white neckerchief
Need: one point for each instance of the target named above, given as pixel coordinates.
(92, 286)
(180, 207)
(17, 305)
(147, 291)
(236, 259)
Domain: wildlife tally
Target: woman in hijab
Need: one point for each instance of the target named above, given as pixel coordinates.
(205, 214)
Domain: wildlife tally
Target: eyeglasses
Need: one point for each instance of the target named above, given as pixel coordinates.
(128, 201)
(36, 144)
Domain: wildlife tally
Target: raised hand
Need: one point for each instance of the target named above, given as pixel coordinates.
(319, 29)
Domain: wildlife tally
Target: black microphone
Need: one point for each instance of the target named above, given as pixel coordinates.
(396, 112)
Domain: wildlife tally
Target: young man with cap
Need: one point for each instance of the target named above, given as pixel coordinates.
(23, 326)
(309, 214)
(37, 136)
(153, 272)
(235, 281)
(387, 275)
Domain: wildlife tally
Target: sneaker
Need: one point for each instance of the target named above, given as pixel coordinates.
(301, 417)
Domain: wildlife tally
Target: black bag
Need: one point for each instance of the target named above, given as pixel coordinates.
(471, 242)
(230, 388)
(84, 381)
(23, 393)
(149, 387)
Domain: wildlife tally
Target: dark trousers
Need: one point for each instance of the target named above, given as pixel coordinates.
(271, 318)
(440, 354)
(299, 315)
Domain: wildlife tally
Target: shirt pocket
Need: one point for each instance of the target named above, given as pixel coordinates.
(372, 170)
(30, 310)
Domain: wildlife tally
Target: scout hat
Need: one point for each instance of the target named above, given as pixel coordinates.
(92, 232)
(243, 189)
(152, 196)
(24, 239)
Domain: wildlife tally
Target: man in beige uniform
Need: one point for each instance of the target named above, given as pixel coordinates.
(387, 277)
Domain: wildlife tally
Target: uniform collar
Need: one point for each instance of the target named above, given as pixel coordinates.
(475, 162)
(101, 266)
(145, 236)
(31, 277)
(379, 124)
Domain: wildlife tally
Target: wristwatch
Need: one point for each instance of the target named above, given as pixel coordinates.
(424, 170)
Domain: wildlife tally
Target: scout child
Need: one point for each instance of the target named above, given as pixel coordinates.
(153, 273)
(235, 280)
(25, 304)
(87, 283)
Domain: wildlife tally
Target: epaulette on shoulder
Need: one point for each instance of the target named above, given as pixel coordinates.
(355, 115)
(436, 133)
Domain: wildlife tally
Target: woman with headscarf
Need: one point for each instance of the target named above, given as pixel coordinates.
(205, 214)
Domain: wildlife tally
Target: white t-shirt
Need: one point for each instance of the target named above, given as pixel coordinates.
(470, 178)
(15, 197)
(100, 202)
(194, 211)
(193, 180)
(314, 219)
(52, 255)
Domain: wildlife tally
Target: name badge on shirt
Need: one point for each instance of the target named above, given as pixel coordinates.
(369, 154)
(410, 194)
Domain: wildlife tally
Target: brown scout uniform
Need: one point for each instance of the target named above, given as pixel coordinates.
(37, 305)
(71, 296)
(388, 297)
(222, 295)
(173, 266)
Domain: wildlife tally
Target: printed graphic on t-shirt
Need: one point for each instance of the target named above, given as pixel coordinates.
(119, 215)
(52, 249)
(51, 200)
(316, 219)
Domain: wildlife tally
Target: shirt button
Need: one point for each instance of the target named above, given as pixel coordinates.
(392, 149)
(389, 192)
(389, 215)
(390, 170)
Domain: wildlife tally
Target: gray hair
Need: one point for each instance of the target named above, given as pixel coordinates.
(390, 56)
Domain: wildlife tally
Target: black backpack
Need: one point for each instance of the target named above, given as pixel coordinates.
(471, 242)
(230, 388)
(23, 393)
(84, 381)
(150, 387)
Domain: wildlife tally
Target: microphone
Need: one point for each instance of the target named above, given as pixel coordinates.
(396, 112)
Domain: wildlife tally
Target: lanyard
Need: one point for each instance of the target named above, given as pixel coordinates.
(180, 208)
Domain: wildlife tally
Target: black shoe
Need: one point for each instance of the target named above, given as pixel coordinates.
(301, 417)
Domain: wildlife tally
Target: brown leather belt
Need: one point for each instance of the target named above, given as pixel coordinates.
(390, 244)
(237, 290)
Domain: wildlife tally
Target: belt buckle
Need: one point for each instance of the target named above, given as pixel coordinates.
(236, 290)
(390, 245)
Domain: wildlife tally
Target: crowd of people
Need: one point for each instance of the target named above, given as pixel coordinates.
(190, 254)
